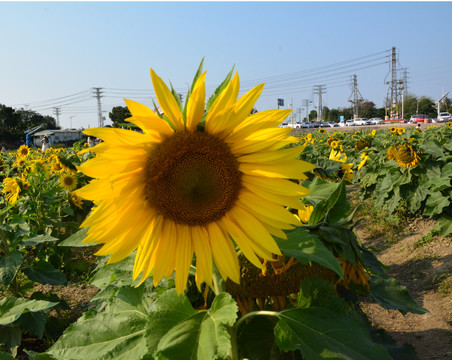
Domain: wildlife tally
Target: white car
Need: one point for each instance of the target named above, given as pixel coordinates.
(350, 123)
(362, 121)
(444, 116)
(376, 121)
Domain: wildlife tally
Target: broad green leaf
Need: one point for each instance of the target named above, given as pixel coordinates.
(40, 239)
(75, 240)
(129, 298)
(432, 147)
(315, 292)
(256, 339)
(9, 266)
(435, 204)
(391, 295)
(444, 226)
(320, 333)
(320, 190)
(11, 337)
(33, 322)
(44, 273)
(179, 332)
(116, 336)
(12, 308)
(306, 247)
(6, 356)
(35, 356)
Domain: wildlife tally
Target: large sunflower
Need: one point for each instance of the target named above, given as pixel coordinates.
(194, 183)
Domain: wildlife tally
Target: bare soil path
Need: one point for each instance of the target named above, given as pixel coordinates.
(426, 271)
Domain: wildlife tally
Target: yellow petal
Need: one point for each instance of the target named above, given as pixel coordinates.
(201, 245)
(195, 105)
(184, 257)
(147, 119)
(167, 102)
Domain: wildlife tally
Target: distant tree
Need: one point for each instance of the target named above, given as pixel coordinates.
(427, 106)
(313, 115)
(118, 114)
(368, 109)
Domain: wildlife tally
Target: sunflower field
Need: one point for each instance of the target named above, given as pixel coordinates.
(218, 234)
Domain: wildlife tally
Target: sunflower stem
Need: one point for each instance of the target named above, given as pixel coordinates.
(219, 285)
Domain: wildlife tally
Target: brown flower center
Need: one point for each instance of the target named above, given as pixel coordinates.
(192, 178)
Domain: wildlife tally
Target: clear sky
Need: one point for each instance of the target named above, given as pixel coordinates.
(53, 53)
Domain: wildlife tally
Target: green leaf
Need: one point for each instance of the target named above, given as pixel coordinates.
(256, 339)
(320, 333)
(38, 240)
(11, 337)
(35, 356)
(44, 273)
(9, 266)
(444, 226)
(33, 322)
(217, 92)
(432, 147)
(6, 356)
(391, 295)
(435, 204)
(178, 332)
(129, 298)
(75, 240)
(315, 292)
(306, 247)
(12, 308)
(118, 336)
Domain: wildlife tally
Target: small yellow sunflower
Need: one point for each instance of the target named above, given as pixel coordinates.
(23, 151)
(322, 131)
(68, 181)
(449, 123)
(192, 183)
(363, 161)
(393, 129)
(346, 171)
(373, 132)
(334, 144)
(400, 131)
(12, 189)
(305, 213)
(77, 200)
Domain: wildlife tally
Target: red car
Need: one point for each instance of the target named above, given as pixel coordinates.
(419, 119)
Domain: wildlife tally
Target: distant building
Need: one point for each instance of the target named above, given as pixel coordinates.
(66, 137)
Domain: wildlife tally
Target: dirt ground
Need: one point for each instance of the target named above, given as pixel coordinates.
(426, 271)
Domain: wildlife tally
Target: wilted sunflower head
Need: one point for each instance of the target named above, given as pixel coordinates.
(192, 183)
(362, 144)
(405, 155)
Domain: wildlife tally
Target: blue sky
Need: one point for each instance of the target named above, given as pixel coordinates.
(54, 53)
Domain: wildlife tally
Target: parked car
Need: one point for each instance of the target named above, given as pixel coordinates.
(362, 121)
(444, 116)
(331, 124)
(350, 123)
(376, 121)
(419, 119)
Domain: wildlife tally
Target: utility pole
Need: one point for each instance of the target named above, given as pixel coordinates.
(357, 97)
(56, 111)
(319, 90)
(393, 84)
(70, 121)
(305, 104)
(98, 94)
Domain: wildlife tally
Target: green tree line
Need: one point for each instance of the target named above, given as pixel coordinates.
(15, 122)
